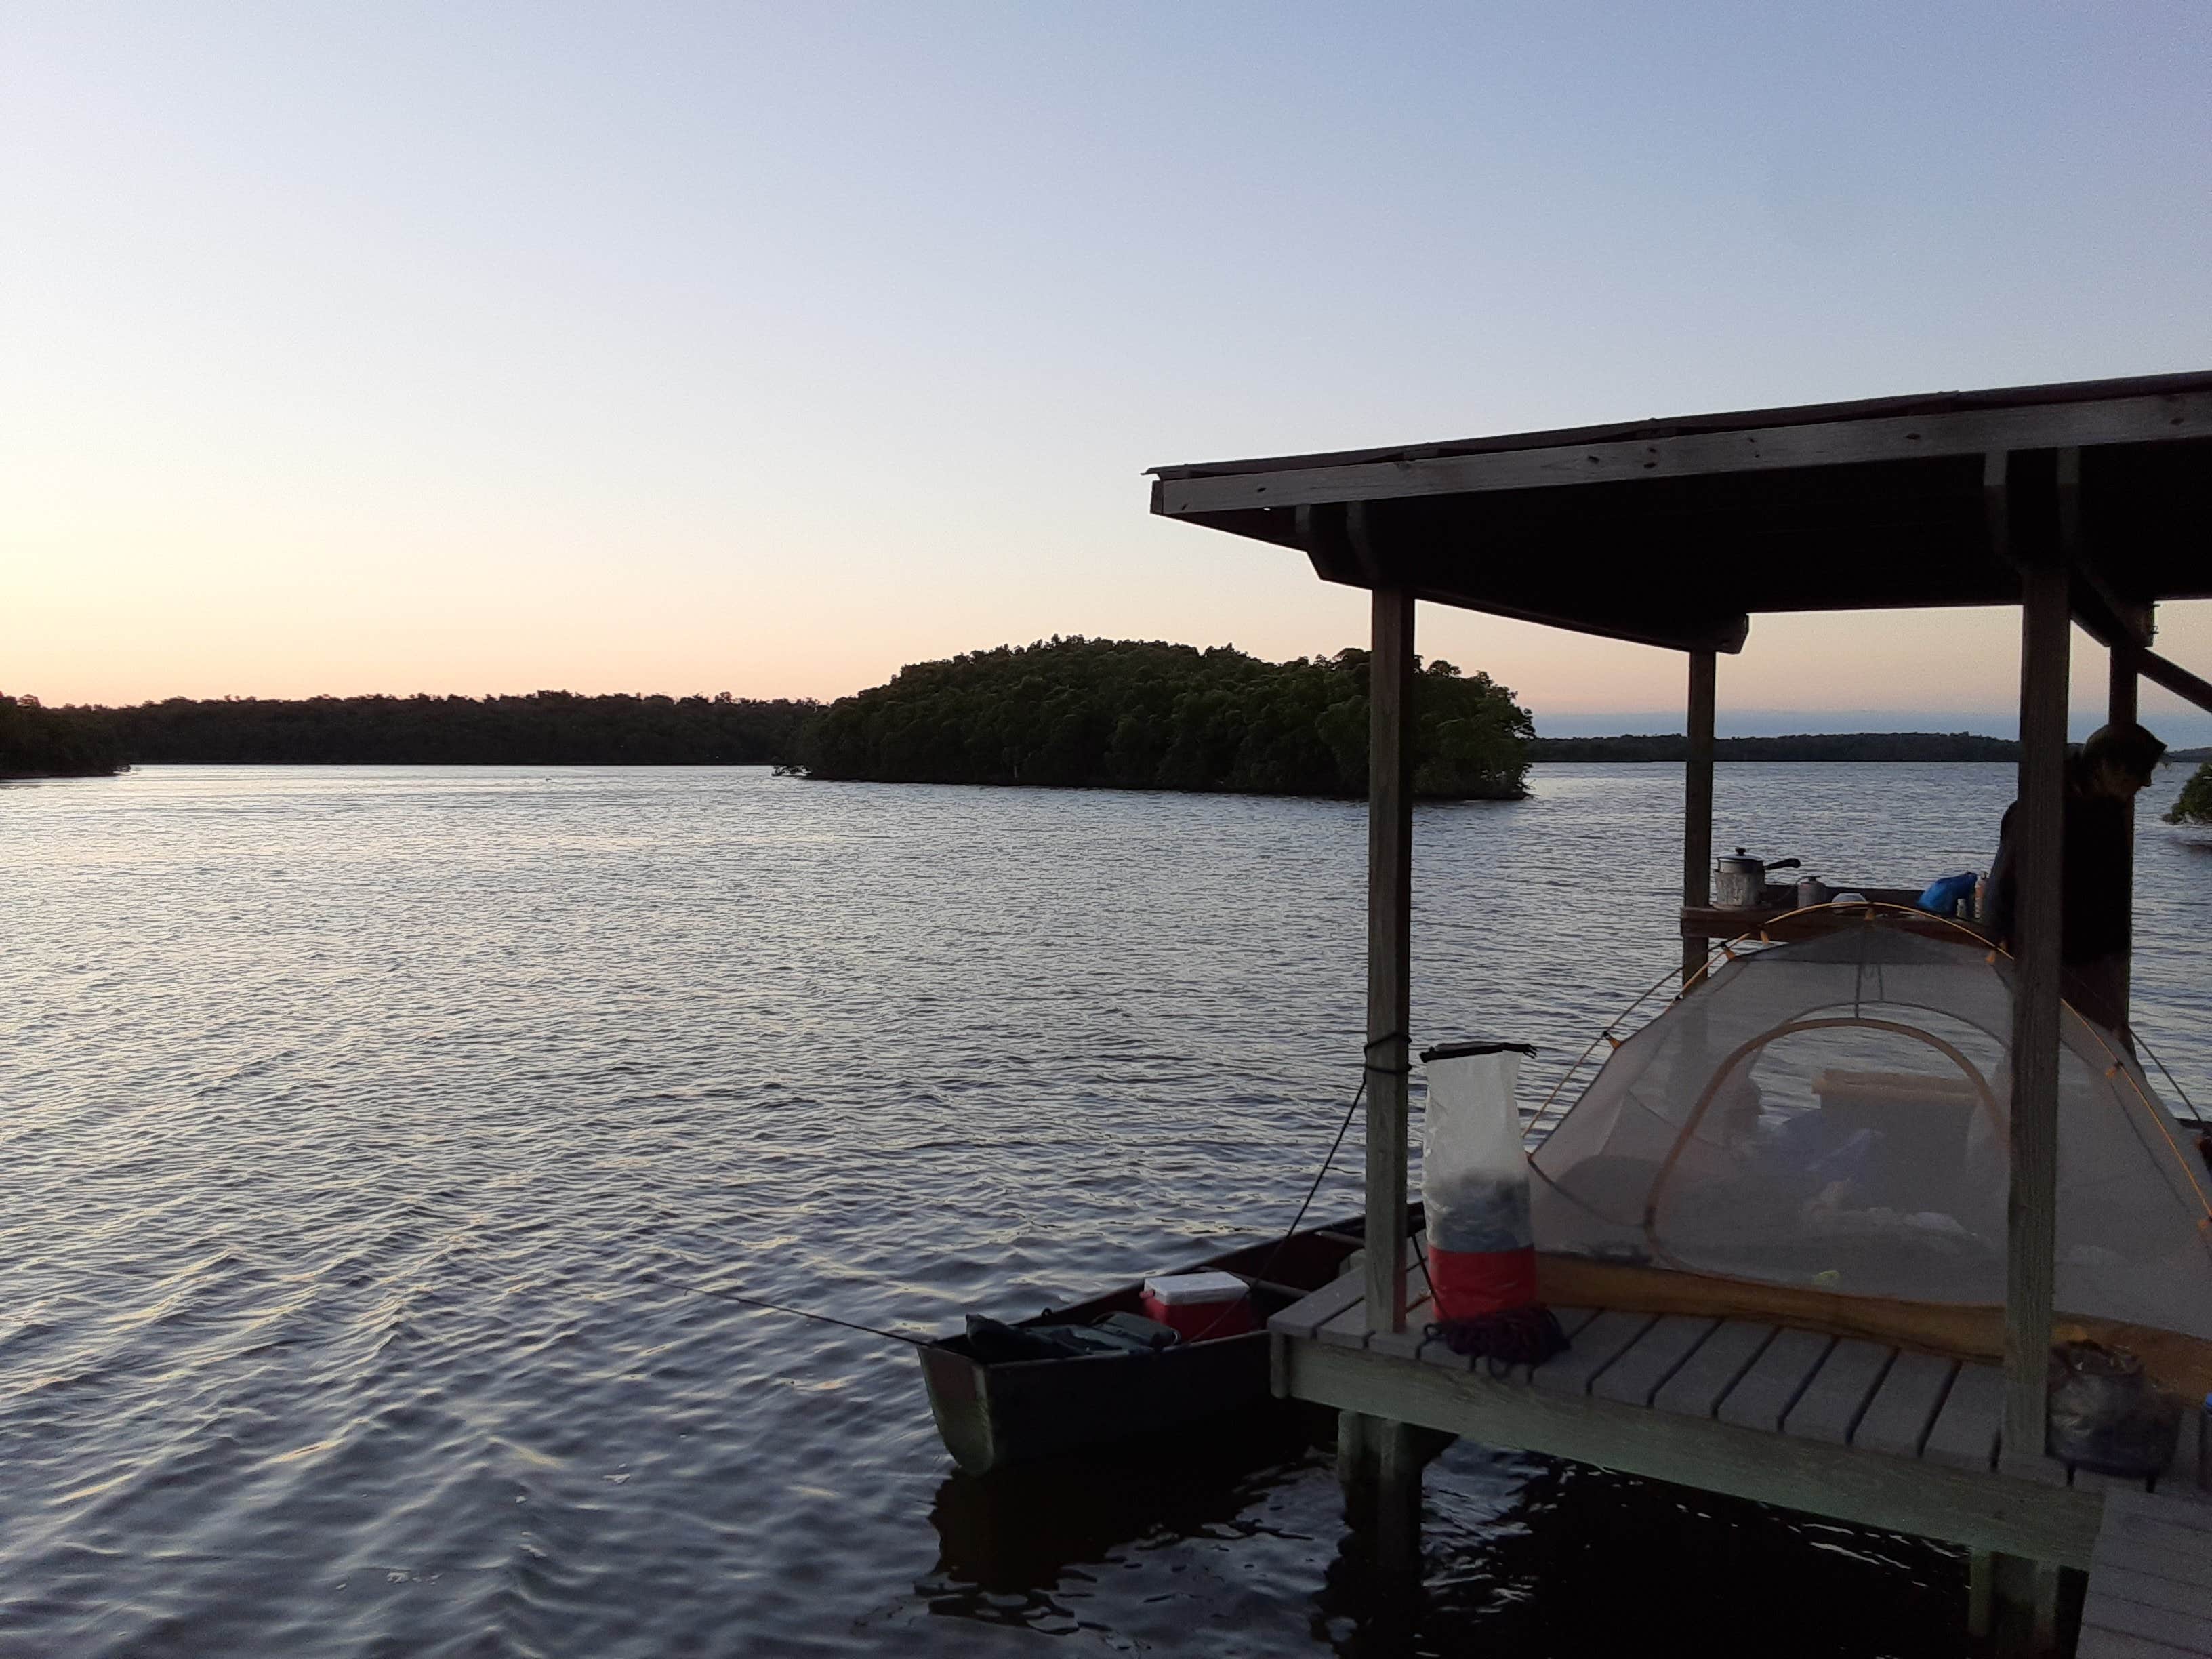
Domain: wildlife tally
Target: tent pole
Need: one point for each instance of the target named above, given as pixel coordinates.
(1697, 806)
(2045, 623)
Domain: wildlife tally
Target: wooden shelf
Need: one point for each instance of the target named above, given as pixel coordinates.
(1784, 920)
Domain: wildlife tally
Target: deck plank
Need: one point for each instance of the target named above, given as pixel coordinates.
(2180, 1509)
(2152, 1551)
(2150, 1576)
(1637, 1375)
(2152, 1590)
(1965, 1433)
(1696, 1388)
(2088, 1480)
(1406, 1344)
(1348, 1329)
(1591, 1349)
(1763, 1395)
(2111, 1644)
(2097, 1643)
(1903, 1409)
(2177, 1630)
(1830, 1404)
(1304, 1318)
(2168, 1537)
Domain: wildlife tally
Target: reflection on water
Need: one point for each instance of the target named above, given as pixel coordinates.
(1009, 1541)
(1524, 1556)
(357, 1119)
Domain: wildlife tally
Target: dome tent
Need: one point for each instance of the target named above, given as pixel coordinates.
(1833, 1115)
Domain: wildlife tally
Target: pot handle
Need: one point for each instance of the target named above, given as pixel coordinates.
(1785, 864)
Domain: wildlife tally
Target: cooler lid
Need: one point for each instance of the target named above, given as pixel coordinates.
(1181, 1289)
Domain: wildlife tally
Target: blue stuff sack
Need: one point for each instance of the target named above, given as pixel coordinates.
(1946, 896)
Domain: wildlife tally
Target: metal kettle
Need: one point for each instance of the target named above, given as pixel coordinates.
(1740, 880)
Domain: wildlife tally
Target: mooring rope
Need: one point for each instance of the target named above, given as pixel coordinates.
(783, 1308)
(1343, 1127)
(1320, 1175)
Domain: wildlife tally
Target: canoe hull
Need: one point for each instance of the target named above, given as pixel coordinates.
(1018, 1412)
(990, 1416)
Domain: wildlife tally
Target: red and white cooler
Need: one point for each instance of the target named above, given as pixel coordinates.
(1200, 1305)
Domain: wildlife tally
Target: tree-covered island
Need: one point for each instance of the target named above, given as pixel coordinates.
(2194, 805)
(1141, 715)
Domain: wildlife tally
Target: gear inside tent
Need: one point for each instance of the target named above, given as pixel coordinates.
(1832, 1115)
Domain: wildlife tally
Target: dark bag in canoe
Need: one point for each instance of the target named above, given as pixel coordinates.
(995, 1343)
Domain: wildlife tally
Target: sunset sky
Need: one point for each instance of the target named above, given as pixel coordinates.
(684, 348)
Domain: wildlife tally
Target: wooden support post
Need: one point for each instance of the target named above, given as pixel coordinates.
(1398, 1500)
(2038, 826)
(1379, 1463)
(2121, 709)
(2121, 705)
(1697, 806)
(2013, 1605)
(1981, 1594)
(1390, 955)
(1379, 1460)
(2125, 702)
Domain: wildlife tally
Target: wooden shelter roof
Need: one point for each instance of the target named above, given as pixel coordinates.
(1698, 521)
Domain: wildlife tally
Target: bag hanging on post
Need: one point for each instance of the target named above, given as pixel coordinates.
(1474, 1193)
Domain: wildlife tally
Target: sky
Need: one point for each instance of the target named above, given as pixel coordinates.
(691, 347)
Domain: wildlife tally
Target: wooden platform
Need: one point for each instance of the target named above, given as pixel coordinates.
(1834, 1426)
(2150, 1582)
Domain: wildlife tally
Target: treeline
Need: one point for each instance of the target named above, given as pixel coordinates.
(1809, 746)
(2194, 805)
(1131, 714)
(546, 728)
(36, 742)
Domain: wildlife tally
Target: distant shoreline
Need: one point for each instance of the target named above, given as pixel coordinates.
(1953, 747)
(1940, 746)
(556, 729)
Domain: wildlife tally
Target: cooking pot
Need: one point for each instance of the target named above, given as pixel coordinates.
(1740, 880)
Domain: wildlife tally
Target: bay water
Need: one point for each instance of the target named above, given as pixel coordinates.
(367, 1131)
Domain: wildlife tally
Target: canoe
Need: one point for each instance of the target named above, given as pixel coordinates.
(993, 1414)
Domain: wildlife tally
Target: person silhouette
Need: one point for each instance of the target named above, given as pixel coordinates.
(2096, 905)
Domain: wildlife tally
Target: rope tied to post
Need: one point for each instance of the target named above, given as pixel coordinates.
(1373, 1043)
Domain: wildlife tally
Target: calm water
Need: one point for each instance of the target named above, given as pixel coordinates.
(358, 1121)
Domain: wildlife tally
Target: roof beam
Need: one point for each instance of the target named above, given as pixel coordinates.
(1345, 544)
(1722, 633)
(1834, 443)
(2107, 618)
(2173, 677)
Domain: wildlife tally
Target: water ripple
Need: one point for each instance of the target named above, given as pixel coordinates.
(360, 1120)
